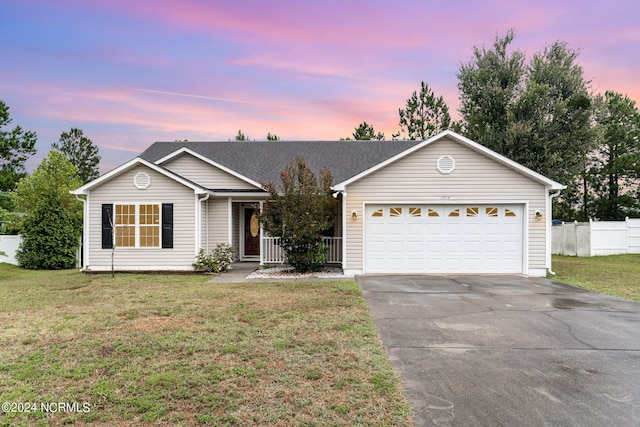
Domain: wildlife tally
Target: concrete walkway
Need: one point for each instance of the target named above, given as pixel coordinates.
(238, 273)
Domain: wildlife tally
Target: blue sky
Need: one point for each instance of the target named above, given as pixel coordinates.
(129, 73)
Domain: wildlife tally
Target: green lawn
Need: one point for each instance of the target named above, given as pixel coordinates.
(617, 275)
(174, 350)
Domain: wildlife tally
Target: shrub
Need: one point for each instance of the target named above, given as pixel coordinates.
(305, 256)
(300, 211)
(217, 261)
(49, 237)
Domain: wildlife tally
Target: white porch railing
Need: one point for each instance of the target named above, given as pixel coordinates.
(334, 249)
(272, 253)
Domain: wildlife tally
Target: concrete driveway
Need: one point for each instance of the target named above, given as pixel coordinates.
(509, 351)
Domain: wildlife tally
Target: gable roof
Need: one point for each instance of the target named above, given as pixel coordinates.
(261, 162)
(551, 184)
(198, 189)
(186, 150)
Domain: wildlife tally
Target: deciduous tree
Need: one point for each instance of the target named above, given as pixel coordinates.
(55, 175)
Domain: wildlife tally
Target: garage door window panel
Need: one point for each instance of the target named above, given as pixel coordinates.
(491, 212)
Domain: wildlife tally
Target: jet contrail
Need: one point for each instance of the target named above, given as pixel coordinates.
(187, 95)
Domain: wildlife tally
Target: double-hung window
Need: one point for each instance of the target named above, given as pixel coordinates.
(137, 225)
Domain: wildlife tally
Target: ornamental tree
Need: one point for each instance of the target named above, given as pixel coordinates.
(300, 212)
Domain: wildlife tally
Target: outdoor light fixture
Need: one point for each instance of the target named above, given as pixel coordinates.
(354, 216)
(538, 216)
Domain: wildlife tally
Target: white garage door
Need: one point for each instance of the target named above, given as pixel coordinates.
(443, 239)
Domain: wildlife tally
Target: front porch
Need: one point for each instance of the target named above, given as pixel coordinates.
(233, 220)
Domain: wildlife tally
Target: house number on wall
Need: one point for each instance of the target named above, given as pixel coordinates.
(445, 197)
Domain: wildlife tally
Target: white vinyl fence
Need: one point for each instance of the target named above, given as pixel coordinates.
(596, 238)
(8, 246)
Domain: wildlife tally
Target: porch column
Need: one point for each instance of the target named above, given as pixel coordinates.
(230, 221)
(261, 238)
(344, 230)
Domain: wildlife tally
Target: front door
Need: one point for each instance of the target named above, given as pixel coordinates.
(251, 233)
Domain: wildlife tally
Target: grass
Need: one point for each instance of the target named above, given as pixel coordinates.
(617, 275)
(175, 350)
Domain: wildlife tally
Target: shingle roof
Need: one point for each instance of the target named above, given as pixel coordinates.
(262, 161)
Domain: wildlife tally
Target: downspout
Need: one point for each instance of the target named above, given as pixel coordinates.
(343, 201)
(85, 236)
(206, 220)
(549, 214)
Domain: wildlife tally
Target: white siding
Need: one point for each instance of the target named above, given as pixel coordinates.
(162, 190)
(217, 225)
(205, 174)
(476, 179)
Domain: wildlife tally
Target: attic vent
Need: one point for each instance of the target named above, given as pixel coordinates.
(142, 180)
(445, 164)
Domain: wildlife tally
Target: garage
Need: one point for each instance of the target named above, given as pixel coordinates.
(425, 238)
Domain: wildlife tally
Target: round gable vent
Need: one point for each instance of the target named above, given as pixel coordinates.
(142, 180)
(445, 164)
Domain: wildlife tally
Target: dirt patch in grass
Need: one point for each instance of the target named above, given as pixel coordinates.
(146, 351)
(616, 275)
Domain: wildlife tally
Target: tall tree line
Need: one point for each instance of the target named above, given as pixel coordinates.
(542, 114)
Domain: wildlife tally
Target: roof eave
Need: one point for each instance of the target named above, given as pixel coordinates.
(185, 150)
(464, 141)
(131, 164)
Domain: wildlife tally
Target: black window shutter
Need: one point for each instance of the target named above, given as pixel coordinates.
(107, 233)
(167, 225)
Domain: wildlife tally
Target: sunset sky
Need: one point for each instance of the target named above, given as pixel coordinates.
(132, 72)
